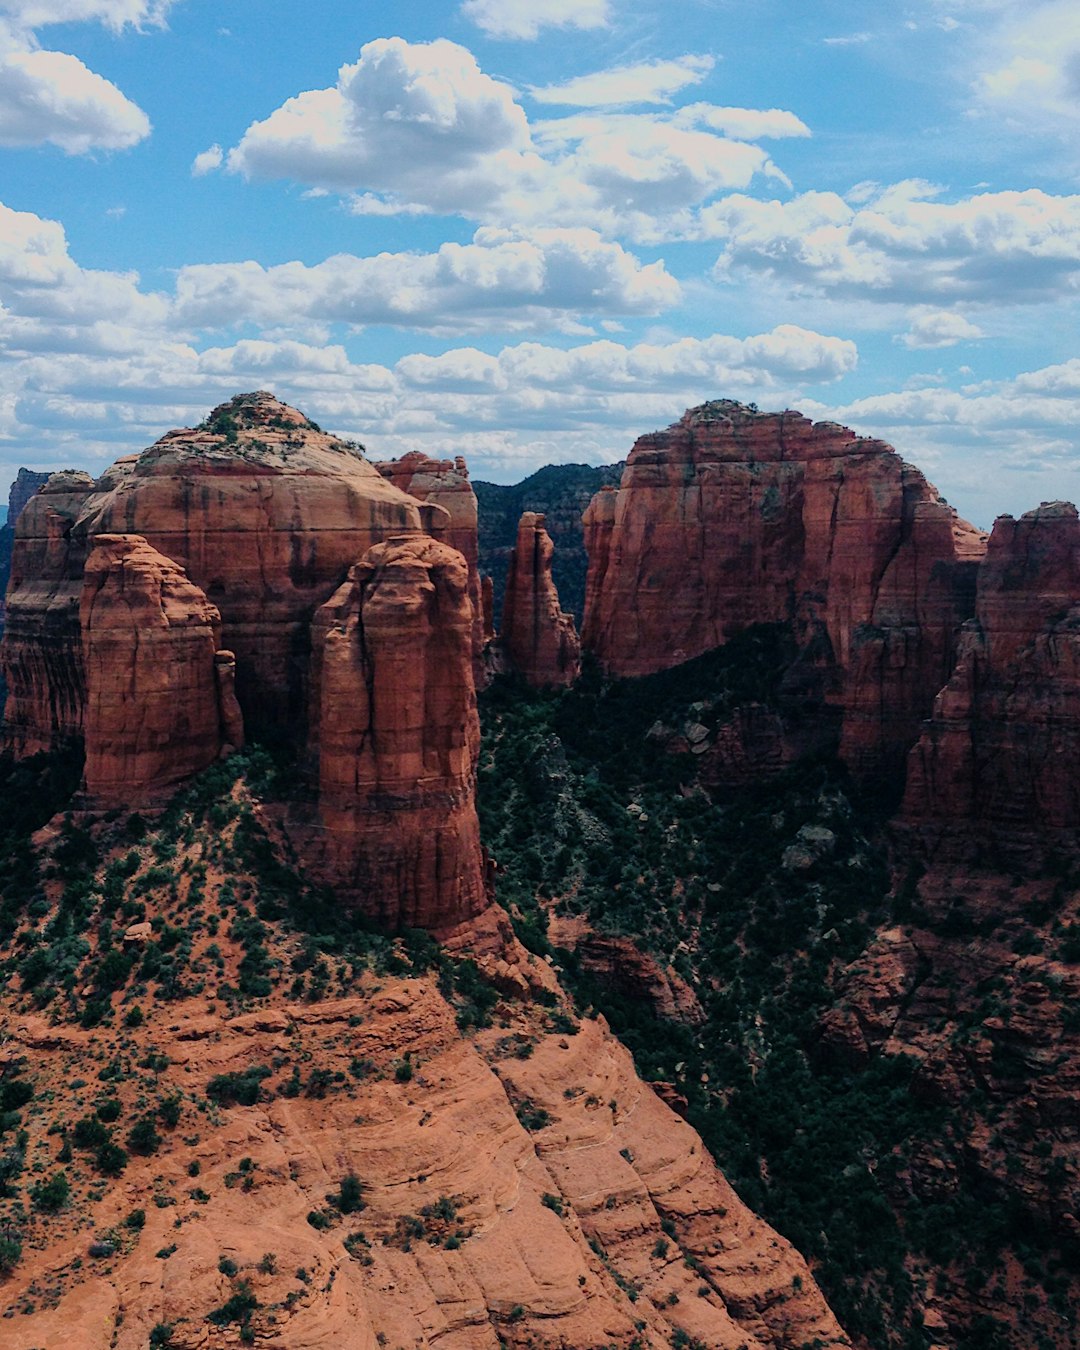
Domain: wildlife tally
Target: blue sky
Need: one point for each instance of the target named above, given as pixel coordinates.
(529, 230)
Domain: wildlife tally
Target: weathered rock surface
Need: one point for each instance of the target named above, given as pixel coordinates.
(732, 517)
(153, 707)
(262, 510)
(396, 737)
(539, 639)
(445, 483)
(998, 758)
(553, 1227)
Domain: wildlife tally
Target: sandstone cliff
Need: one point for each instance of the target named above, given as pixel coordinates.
(732, 517)
(997, 759)
(539, 639)
(396, 736)
(153, 707)
(27, 482)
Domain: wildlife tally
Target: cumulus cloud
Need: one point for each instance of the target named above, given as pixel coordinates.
(525, 18)
(420, 127)
(49, 97)
(647, 82)
(939, 328)
(206, 161)
(996, 247)
(521, 278)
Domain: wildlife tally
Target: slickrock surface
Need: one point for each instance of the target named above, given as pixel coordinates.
(264, 512)
(538, 637)
(397, 737)
(149, 638)
(733, 517)
(572, 1229)
(445, 483)
(1000, 753)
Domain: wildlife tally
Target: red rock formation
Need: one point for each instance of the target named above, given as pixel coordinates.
(731, 518)
(1000, 751)
(262, 510)
(149, 637)
(394, 709)
(539, 638)
(445, 483)
(27, 482)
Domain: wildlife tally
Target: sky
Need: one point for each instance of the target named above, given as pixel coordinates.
(528, 231)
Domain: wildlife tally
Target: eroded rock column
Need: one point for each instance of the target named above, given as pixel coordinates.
(149, 638)
(398, 737)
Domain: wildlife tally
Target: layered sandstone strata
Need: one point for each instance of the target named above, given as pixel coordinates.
(395, 735)
(444, 483)
(1001, 748)
(150, 646)
(732, 517)
(262, 510)
(539, 639)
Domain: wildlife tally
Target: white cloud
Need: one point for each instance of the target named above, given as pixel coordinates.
(522, 278)
(848, 40)
(206, 161)
(647, 82)
(993, 248)
(419, 127)
(49, 97)
(525, 18)
(939, 328)
(744, 124)
(115, 14)
(1028, 66)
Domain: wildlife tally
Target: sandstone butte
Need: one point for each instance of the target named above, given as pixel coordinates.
(733, 517)
(445, 483)
(210, 555)
(538, 638)
(264, 513)
(1000, 751)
